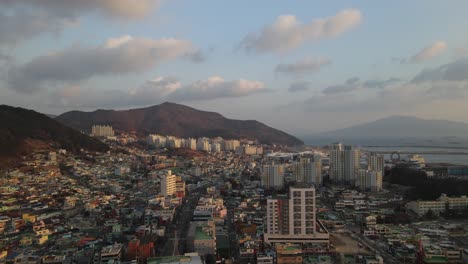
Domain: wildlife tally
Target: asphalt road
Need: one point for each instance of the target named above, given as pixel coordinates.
(176, 233)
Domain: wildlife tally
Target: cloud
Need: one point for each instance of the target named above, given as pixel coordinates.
(380, 83)
(299, 87)
(25, 19)
(443, 85)
(123, 55)
(287, 33)
(23, 25)
(428, 52)
(159, 90)
(354, 83)
(126, 9)
(216, 87)
(454, 71)
(304, 66)
(348, 86)
(197, 56)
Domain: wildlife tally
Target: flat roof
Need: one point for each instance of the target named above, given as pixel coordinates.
(200, 234)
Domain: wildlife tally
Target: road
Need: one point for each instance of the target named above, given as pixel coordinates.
(367, 243)
(176, 233)
(233, 242)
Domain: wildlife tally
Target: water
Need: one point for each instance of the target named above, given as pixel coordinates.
(430, 158)
(444, 147)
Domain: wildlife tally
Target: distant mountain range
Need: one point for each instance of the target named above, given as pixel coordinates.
(178, 120)
(401, 127)
(22, 131)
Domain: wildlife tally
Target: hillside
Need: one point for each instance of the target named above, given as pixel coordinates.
(22, 131)
(177, 120)
(402, 127)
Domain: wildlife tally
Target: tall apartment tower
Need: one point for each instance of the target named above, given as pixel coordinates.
(308, 170)
(293, 219)
(369, 180)
(273, 176)
(168, 184)
(337, 162)
(344, 164)
(376, 162)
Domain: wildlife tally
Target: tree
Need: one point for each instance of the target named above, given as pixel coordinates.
(430, 215)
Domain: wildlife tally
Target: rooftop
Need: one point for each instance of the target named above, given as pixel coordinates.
(201, 235)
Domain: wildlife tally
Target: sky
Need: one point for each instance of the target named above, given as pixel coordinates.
(300, 66)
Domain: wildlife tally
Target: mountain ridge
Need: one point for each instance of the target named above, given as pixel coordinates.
(178, 120)
(23, 130)
(401, 126)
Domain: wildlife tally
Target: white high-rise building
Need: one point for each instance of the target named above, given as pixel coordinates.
(174, 143)
(337, 163)
(215, 147)
(191, 143)
(102, 131)
(273, 176)
(308, 170)
(344, 164)
(168, 184)
(369, 180)
(293, 219)
(375, 181)
(156, 140)
(203, 145)
(376, 162)
(231, 145)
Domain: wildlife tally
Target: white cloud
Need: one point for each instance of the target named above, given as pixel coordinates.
(304, 66)
(287, 33)
(158, 90)
(25, 19)
(116, 56)
(216, 87)
(429, 52)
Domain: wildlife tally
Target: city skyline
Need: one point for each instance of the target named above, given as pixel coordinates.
(330, 63)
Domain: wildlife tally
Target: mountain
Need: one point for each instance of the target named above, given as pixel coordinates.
(22, 131)
(177, 120)
(401, 127)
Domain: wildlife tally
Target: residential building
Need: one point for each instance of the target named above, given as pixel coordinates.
(174, 143)
(376, 162)
(180, 187)
(109, 254)
(168, 184)
(293, 219)
(273, 176)
(231, 145)
(438, 206)
(202, 238)
(203, 145)
(102, 131)
(308, 170)
(215, 147)
(344, 163)
(191, 143)
(369, 180)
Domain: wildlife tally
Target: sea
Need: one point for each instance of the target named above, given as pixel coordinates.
(449, 150)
